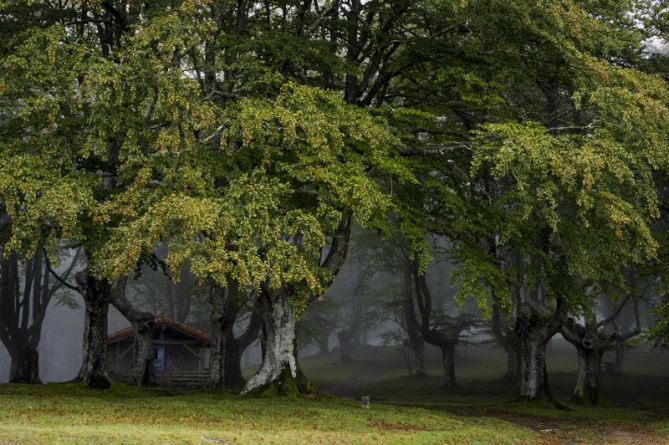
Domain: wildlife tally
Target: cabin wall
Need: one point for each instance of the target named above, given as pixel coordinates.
(183, 353)
(178, 358)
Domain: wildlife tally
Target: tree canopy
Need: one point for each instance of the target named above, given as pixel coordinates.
(247, 136)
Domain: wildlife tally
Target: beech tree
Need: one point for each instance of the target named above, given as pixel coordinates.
(266, 227)
(247, 137)
(81, 107)
(591, 341)
(541, 176)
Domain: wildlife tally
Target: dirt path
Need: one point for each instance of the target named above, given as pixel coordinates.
(571, 431)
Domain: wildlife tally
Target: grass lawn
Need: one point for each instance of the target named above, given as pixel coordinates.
(70, 413)
(404, 410)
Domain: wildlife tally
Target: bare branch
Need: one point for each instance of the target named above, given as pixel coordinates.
(67, 272)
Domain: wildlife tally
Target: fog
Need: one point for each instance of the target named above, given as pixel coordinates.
(360, 325)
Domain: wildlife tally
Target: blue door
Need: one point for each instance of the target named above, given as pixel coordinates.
(159, 357)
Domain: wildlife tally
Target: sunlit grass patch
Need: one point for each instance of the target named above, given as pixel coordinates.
(71, 413)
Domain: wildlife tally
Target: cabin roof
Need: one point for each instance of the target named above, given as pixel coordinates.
(167, 322)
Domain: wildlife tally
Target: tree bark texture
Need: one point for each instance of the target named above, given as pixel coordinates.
(220, 324)
(279, 370)
(534, 333)
(96, 292)
(587, 375)
(142, 366)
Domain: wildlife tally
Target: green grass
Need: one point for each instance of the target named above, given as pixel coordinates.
(404, 410)
(634, 408)
(70, 413)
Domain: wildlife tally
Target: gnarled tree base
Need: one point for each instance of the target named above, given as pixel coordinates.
(279, 372)
(97, 377)
(287, 385)
(25, 367)
(533, 380)
(588, 376)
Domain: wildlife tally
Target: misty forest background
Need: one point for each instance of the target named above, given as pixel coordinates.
(428, 202)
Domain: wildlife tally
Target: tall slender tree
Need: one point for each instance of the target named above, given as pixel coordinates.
(27, 289)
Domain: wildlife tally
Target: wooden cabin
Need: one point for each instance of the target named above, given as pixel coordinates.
(180, 353)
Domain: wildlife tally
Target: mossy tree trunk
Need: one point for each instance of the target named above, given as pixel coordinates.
(142, 366)
(220, 325)
(591, 342)
(279, 371)
(96, 292)
(587, 375)
(533, 378)
(415, 340)
(534, 332)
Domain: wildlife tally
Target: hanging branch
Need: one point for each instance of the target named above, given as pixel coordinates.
(615, 313)
(67, 272)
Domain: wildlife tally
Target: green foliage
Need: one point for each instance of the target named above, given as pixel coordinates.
(529, 135)
(287, 171)
(540, 165)
(119, 151)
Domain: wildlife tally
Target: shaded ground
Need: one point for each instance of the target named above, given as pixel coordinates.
(635, 408)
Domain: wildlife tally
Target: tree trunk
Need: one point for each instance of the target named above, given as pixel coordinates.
(97, 296)
(323, 343)
(620, 358)
(419, 353)
(533, 380)
(345, 345)
(25, 367)
(512, 365)
(448, 356)
(220, 326)
(415, 340)
(142, 367)
(279, 370)
(217, 361)
(236, 346)
(143, 324)
(232, 375)
(588, 375)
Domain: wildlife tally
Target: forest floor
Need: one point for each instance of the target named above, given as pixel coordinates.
(404, 410)
(634, 408)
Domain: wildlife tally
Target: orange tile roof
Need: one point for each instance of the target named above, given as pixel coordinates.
(167, 322)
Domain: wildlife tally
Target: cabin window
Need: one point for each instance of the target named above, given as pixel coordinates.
(159, 357)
